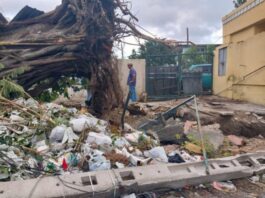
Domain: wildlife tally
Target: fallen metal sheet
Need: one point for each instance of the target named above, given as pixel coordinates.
(171, 113)
(114, 183)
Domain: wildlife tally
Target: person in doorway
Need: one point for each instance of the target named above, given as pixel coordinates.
(131, 82)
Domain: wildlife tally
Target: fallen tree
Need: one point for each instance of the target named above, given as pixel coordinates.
(37, 48)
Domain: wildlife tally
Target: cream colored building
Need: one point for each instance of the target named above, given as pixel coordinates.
(239, 64)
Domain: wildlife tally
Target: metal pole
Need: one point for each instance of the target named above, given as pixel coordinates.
(201, 136)
(188, 36)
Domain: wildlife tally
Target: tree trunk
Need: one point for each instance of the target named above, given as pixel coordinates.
(76, 38)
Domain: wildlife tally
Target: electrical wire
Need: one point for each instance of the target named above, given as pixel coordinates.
(146, 30)
(65, 183)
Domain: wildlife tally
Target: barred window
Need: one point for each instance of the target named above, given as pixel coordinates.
(222, 61)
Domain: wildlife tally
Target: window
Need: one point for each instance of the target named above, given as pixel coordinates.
(222, 62)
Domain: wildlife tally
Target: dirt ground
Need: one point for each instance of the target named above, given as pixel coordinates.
(245, 189)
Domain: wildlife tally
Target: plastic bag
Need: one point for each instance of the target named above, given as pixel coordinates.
(157, 153)
(42, 147)
(98, 138)
(133, 137)
(57, 134)
(83, 122)
(121, 142)
(98, 162)
(69, 136)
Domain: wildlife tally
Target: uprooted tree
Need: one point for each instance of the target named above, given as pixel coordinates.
(37, 48)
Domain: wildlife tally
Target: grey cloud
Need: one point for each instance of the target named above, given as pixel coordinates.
(203, 17)
(168, 17)
(11, 7)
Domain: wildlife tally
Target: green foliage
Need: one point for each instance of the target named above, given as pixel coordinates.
(208, 146)
(61, 88)
(157, 54)
(193, 56)
(154, 53)
(134, 55)
(14, 140)
(48, 96)
(9, 89)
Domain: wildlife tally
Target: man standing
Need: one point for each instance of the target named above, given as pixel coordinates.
(131, 82)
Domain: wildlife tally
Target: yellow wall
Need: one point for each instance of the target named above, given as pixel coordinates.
(245, 20)
(245, 54)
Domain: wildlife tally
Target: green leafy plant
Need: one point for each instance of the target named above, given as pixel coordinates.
(9, 89)
(61, 88)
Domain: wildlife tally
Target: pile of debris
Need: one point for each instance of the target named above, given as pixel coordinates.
(229, 127)
(49, 139)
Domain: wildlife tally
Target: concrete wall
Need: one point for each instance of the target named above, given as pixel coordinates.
(245, 70)
(245, 16)
(139, 66)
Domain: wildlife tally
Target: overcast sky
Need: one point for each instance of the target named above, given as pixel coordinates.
(164, 18)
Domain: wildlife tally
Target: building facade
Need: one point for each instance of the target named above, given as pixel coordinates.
(239, 64)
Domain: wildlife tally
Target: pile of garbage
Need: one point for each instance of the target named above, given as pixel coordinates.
(49, 139)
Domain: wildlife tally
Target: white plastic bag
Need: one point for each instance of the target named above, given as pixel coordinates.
(57, 133)
(157, 153)
(83, 122)
(121, 142)
(69, 136)
(133, 137)
(98, 138)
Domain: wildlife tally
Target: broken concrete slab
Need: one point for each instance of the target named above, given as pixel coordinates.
(236, 140)
(116, 183)
(212, 134)
(226, 113)
(172, 134)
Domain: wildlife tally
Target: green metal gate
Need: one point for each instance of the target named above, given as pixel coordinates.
(165, 74)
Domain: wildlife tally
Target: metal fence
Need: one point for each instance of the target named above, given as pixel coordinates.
(165, 75)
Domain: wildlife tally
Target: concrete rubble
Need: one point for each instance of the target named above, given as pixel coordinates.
(128, 181)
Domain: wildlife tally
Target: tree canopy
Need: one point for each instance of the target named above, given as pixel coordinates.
(193, 56)
(157, 54)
